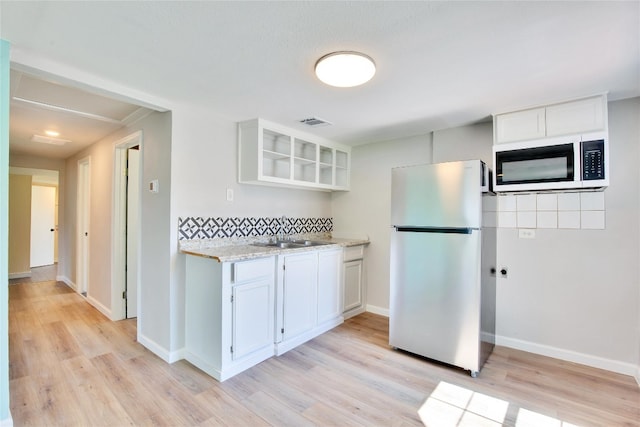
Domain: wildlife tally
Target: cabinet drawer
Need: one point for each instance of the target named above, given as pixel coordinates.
(249, 270)
(353, 252)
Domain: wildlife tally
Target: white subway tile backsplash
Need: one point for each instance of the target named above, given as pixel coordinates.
(507, 203)
(526, 202)
(592, 220)
(593, 201)
(489, 219)
(569, 201)
(568, 219)
(489, 204)
(547, 202)
(570, 210)
(547, 219)
(507, 220)
(526, 219)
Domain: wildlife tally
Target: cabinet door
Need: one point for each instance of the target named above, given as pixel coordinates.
(581, 116)
(329, 285)
(299, 303)
(520, 125)
(252, 317)
(352, 284)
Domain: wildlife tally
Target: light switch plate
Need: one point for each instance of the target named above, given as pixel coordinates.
(153, 186)
(229, 195)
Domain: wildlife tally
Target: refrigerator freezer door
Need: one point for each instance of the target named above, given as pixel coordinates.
(435, 296)
(438, 195)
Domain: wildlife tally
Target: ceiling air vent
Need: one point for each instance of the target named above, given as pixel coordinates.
(315, 121)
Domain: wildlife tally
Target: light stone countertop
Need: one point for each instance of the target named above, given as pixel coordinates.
(243, 250)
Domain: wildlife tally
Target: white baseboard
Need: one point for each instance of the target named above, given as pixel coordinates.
(569, 355)
(101, 307)
(157, 349)
(378, 310)
(637, 376)
(7, 422)
(21, 275)
(67, 282)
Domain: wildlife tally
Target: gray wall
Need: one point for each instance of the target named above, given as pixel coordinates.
(155, 226)
(577, 290)
(366, 210)
(571, 294)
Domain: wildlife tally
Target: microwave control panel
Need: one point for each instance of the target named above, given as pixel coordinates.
(593, 160)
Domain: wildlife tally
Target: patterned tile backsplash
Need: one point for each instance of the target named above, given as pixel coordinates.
(190, 228)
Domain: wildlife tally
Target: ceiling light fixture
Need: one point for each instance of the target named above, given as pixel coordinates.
(49, 140)
(345, 69)
(52, 133)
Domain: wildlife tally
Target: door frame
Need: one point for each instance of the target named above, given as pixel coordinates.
(83, 221)
(119, 226)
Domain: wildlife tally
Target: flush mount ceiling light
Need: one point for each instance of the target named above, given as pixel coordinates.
(345, 69)
(49, 140)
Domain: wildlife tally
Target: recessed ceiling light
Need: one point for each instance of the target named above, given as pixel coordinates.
(52, 133)
(345, 69)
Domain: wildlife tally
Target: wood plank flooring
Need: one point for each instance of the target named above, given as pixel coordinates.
(70, 366)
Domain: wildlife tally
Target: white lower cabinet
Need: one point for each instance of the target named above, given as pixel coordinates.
(354, 292)
(229, 314)
(238, 314)
(329, 289)
(308, 296)
(298, 291)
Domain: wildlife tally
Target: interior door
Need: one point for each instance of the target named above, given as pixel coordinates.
(82, 231)
(133, 230)
(43, 225)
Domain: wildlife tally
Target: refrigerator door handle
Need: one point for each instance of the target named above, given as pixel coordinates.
(450, 230)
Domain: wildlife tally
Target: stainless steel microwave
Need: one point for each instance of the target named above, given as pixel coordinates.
(572, 162)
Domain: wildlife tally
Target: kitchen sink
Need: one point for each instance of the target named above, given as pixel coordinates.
(284, 244)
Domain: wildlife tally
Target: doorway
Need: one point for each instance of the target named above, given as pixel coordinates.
(127, 224)
(43, 225)
(33, 221)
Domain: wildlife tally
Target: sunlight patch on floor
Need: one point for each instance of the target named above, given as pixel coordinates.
(451, 405)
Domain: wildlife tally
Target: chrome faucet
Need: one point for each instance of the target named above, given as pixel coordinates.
(282, 222)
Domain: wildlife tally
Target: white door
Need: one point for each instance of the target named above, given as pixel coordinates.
(82, 230)
(300, 302)
(43, 225)
(133, 230)
(329, 285)
(252, 317)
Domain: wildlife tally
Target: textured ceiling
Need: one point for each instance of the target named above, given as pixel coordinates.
(440, 64)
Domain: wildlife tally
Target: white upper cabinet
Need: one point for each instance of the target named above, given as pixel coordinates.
(585, 115)
(271, 154)
(567, 118)
(520, 125)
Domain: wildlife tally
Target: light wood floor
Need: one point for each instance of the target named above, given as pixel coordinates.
(69, 365)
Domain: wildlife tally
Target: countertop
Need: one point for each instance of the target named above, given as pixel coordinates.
(244, 250)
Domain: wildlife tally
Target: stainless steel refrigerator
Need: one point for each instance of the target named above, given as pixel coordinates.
(442, 282)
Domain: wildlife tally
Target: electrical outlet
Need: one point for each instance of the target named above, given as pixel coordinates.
(527, 233)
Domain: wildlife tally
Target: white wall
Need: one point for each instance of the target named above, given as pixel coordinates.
(366, 210)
